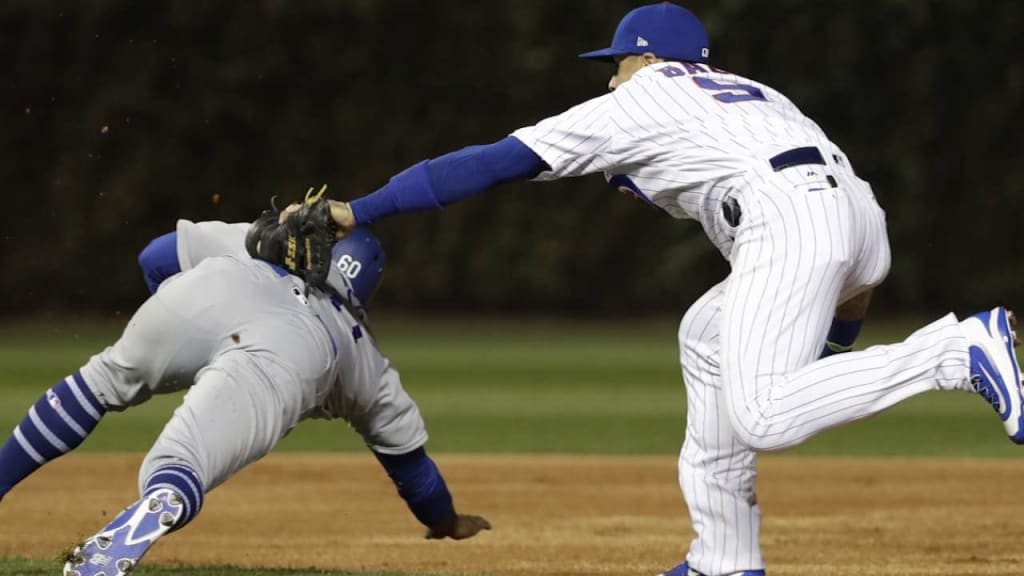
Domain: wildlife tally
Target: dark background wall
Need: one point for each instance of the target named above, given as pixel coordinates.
(117, 117)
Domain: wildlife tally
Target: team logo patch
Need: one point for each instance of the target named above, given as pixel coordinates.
(52, 399)
(641, 42)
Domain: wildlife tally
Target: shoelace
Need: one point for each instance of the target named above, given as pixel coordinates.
(986, 392)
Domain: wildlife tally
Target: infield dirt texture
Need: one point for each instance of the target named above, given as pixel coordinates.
(929, 488)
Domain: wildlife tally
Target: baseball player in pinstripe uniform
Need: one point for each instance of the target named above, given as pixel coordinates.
(806, 242)
(259, 353)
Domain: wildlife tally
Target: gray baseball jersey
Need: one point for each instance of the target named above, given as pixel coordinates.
(259, 355)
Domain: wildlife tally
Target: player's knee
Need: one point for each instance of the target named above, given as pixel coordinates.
(749, 426)
(751, 440)
(159, 260)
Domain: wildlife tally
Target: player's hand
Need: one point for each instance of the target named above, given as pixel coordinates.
(342, 215)
(283, 216)
(458, 527)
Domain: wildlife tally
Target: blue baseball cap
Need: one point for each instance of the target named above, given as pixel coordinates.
(666, 30)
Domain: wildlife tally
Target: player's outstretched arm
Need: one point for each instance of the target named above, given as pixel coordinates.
(421, 485)
(441, 181)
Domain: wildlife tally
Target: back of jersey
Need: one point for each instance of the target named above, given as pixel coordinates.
(672, 132)
(710, 115)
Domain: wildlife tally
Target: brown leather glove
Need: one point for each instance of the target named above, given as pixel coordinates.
(298, 238)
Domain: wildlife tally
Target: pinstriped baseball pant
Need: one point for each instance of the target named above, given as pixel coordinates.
(748, 350)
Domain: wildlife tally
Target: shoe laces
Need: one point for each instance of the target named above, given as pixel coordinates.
(986, 392)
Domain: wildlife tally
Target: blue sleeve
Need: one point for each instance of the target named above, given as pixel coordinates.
(420, 484)
(447, 179)
(159, 260)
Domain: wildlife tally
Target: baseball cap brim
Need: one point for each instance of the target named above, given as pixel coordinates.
(607, 54)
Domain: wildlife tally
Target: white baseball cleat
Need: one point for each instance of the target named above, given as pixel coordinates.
(117, 548)
(995, 373)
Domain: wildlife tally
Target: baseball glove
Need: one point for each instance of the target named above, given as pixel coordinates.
(301, 243)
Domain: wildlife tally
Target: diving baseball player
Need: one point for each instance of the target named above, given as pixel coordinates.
(803, 234)
(259, 351)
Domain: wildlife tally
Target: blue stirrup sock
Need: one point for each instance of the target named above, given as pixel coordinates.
(184, 481)
(56, 424)
(841, 336)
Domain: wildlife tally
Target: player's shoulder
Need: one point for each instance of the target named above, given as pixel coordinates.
(695, 76)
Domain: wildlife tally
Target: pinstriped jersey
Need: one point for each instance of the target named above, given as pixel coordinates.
(673, 131)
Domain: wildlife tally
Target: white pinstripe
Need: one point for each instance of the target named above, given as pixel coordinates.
(811, 236)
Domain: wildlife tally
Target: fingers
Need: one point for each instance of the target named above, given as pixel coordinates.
(342, 215)
(463, 526)
(283, 216)
(474, 524)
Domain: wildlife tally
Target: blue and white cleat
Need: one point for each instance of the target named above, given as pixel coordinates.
(684, 570)
(995, 373)
(117, 548)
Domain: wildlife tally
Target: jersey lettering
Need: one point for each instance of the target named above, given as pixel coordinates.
(728, 92)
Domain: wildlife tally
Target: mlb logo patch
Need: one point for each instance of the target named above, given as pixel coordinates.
(52, 399)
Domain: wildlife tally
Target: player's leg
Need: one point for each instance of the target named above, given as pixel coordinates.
(716, 472)
(791, 262)
(157, 352)
(168, 339)
(239, 408)
(57, 423)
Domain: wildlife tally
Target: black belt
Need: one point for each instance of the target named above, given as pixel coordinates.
(799, 157)
(796, 157)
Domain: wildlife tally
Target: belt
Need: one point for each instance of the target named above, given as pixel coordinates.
(796, 157)
(799, 157)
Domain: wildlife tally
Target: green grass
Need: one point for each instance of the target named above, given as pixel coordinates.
(21, 567)
(529, 386)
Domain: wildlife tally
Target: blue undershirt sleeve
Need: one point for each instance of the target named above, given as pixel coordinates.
(159, 260)
(420, 484)
(447, 179)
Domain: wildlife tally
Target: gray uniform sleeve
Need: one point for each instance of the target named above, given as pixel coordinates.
(200, 240)
(394, 424)
(368, 393)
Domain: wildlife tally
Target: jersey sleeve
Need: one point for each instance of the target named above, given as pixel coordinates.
(393, 424)
(576, 142)
(200, 240)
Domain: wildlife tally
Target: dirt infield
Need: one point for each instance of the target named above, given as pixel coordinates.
(555, 515)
